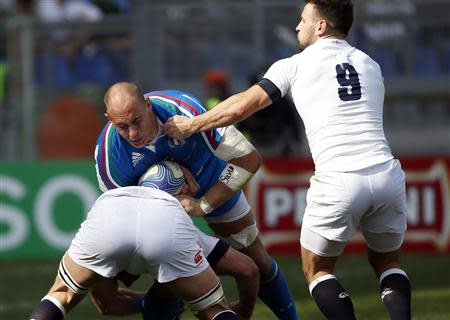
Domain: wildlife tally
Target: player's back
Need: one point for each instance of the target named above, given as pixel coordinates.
(125, 227)
(339, 93)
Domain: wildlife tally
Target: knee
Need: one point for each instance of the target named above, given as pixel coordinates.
(251, 270)
(314, 268)
(258, 253)
(381, 262)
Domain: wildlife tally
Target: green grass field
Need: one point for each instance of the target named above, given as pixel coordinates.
(23, 283)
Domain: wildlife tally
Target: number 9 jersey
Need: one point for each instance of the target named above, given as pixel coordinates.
(339, 93)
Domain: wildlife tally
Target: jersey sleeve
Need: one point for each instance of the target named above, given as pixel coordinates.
(234, 145)
(191, 107)
(173, 102)
(111, 161)
(281, 74)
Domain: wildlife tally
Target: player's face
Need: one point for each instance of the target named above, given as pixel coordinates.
(306, 29)
(135, 122)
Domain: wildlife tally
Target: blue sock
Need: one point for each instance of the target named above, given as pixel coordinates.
(153, 307)
(275, 293)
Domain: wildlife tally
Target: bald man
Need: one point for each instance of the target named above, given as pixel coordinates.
(221, 160)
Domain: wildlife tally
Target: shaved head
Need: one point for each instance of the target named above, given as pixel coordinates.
(120, 94)
(131, 114)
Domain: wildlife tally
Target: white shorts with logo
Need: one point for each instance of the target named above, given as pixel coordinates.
(338, 202)
(140, 230)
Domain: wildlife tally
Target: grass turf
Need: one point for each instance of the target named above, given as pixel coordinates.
(23, 283)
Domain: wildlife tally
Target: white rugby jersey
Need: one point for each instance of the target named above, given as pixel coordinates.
(338, 91)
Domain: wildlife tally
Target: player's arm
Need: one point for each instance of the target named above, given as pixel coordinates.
(242, 162)
(111, 300)
(234, 109)
(112, 164)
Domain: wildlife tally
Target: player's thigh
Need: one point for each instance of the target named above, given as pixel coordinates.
(320, 245)
(334, 201)
(238, 228)
(242, 235)
(234, 220)
(194, 287)
(384, 226)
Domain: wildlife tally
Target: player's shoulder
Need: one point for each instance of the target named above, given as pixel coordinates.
(164, 94)
(111, 145)
(108, 136)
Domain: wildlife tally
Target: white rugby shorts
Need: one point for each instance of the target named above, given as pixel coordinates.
(338, 202)
(128, 231)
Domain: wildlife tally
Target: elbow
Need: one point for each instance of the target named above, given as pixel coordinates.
(253, 161)
(258, 159)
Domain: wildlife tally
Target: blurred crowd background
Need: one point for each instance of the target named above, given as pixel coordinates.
(57, 57)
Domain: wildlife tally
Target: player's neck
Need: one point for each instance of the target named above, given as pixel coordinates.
(334, 36)
(156, 128)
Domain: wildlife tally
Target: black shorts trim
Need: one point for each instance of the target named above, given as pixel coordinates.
(217, 253)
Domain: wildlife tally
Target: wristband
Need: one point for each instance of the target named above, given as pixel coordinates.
(205, 206)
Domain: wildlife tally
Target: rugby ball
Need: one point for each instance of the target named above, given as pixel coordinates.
(165, 175)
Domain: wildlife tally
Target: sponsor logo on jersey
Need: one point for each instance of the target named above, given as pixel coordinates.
(198, 258)
(343, 295)
(136, 157)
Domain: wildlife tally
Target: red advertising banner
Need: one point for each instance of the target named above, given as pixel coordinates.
(277, 194)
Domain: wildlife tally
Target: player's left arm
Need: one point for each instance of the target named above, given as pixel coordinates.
(242, 163)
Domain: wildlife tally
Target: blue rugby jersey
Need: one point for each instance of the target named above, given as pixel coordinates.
(119, 164)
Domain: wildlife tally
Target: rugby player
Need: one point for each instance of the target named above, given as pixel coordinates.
(221, 161)
(338, 91)
(128, 232)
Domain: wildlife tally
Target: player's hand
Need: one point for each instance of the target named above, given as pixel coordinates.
(191, 205)
(191, 186)
(178, 127)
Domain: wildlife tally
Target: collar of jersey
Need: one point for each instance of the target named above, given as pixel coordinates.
(341, 42)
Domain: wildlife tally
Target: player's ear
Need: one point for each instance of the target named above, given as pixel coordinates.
(322, 27)
(107, 116)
